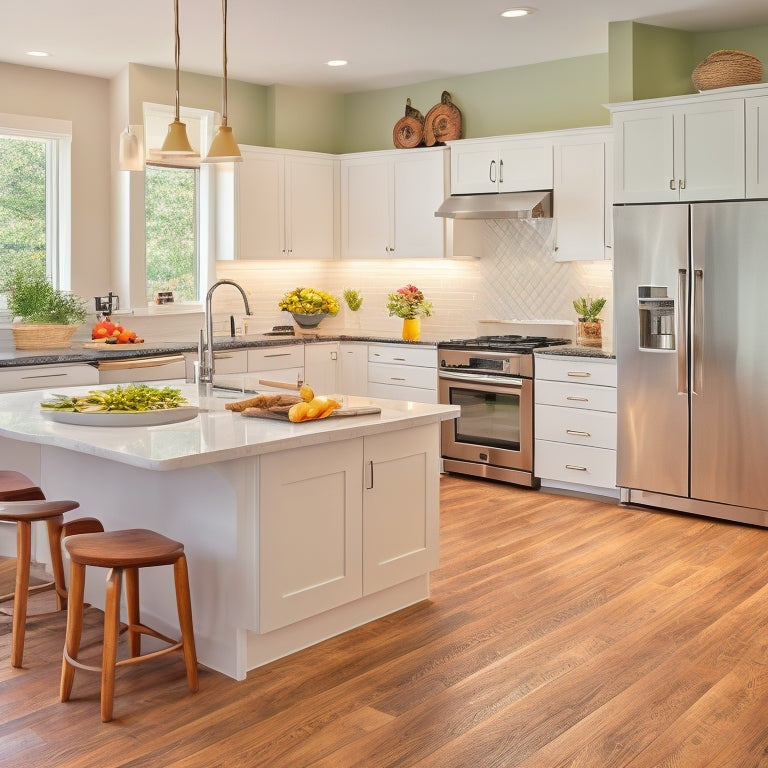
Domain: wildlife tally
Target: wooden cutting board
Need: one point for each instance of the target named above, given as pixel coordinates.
(282, 414)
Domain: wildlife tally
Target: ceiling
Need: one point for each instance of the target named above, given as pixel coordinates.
(387, 44)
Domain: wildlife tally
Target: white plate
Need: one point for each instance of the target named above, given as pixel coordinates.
(111, 419)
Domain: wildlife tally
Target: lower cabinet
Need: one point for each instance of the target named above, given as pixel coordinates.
(399, 372)
(336, 525)
(353, 370)
(23, 377)
(321, 367)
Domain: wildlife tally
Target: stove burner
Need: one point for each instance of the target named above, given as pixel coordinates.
(505, 343)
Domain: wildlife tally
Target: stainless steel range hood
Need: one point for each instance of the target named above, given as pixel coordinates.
(504, 205)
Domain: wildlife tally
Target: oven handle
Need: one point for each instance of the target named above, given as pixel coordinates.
(504, 381)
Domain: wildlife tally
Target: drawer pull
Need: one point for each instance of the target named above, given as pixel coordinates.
(277, 354)
(396, 378)
(578, 399)
(577, 432)
(574, 466)
(579, 374)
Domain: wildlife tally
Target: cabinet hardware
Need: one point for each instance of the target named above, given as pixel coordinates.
(334, 356)
(396, 378)
(672, 185)
(578, 399)
(277, 354)
(369, 475)
(491, 169)
(501, 171)
(577, 432)
(574, 466)
(44, 376)
(681, 183)
(580, 374)
(399, 359)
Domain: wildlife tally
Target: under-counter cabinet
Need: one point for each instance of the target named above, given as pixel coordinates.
(287, 205)
(18, 378)
(388, 204)
(679, 149)
(582, 194)
(518, 164)
(575, 421)
(330, 534)
(353, 369)
(400, 372)
(321, 367)
(757, 146)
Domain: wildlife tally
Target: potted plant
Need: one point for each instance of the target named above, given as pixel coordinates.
(589, 328)
(44, 317)
(409, 303)
(309, 306)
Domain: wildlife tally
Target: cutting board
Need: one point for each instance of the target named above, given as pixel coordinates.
(282, 415)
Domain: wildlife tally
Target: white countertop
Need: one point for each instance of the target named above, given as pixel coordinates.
(214, 435)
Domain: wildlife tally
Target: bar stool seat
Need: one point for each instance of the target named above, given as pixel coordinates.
(23, 503)
(124, 552)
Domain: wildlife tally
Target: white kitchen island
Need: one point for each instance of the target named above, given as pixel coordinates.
(293, 532)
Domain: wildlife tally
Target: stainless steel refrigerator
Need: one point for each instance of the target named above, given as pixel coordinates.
(691, 315)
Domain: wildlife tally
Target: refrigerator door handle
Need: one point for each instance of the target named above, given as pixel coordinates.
(698, 322)
(682, 332)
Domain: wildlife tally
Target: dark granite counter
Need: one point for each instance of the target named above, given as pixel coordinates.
(573, 350)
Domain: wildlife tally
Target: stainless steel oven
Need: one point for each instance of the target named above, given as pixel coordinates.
(491, 379)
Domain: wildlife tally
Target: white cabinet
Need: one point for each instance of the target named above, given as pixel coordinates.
(282, 364)
(501, 165)
(353, 368)
(388, 204)
(582, 195)
(17, 378)
(335, 525)
(400, 372)
(575, 418)
(286, 205)
(757, 146)
(321, 367)
(679, 150)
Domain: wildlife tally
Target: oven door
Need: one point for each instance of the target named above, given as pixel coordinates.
(496, 422)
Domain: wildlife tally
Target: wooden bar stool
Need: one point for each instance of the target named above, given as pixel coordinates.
(124, 552)
(22, 502)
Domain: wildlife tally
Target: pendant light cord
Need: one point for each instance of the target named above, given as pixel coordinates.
(177, 52)
(224, 67)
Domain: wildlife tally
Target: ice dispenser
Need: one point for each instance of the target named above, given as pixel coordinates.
(657, 317)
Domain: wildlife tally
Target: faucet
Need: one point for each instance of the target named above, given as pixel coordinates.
(205, 347)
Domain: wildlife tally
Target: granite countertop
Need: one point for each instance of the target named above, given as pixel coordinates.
(574, 350)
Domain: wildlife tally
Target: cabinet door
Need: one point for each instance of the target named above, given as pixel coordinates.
(644, 169)
(757, 146)
(366, 191)
(419, 189)
(310, 207)
(474, 168)
(579, 200)
(310, 532)
(353, 373)
(400, 507)
(525, 165)
(260, 206)
(709, 150)
(321, 364)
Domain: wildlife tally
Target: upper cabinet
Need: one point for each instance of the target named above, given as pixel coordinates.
(501, 165)
(286, 205)
(680, 149)
(757, 146)
(582, 196)
(388, 204)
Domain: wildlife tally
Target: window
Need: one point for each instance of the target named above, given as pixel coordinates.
(34, 205)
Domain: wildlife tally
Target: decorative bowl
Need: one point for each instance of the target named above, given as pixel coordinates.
(308, 321)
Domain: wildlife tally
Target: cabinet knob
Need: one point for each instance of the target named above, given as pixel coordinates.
(681, 183)
(672, 185)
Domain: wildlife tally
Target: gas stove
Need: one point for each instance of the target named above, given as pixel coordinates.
(506, 343)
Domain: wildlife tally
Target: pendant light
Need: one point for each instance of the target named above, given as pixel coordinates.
(224, 148)
(130, 154)
(176, 141)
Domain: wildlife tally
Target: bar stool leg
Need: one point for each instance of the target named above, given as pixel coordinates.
(55, 524)
(109, 653)
(74, 629)
(23, 557)
(134, 615)
(184, 607)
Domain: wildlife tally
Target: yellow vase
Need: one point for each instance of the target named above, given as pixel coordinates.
(411, 328)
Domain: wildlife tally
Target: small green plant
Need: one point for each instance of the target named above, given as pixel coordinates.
(33, 299)
(588, 308)
(353, 299)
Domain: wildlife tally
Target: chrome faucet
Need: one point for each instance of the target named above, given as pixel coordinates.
(205, 347)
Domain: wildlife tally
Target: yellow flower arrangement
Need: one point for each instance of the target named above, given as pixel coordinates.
(309, 301)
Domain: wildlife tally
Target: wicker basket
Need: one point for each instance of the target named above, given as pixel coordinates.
(42, 336)
(726, 68)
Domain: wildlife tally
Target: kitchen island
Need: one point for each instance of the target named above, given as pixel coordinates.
(293, 532)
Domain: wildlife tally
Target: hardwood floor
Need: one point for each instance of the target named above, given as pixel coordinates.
(561, 632)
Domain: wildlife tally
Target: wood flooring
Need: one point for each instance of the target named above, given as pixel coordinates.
(561, 633)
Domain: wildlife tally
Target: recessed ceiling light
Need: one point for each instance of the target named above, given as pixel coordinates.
(514, 13)
(37, 53)
(337, 63)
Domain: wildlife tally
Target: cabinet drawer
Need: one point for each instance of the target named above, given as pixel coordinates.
(399, 354)
(392, 392)
(402, 375)
(274, 358)
(231, 360)
(584, 372)
(576, 426)
(580, 464)
(569, 395)
(44, 376)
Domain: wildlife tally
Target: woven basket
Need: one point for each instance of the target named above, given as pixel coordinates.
(726, 68)
(42, 336)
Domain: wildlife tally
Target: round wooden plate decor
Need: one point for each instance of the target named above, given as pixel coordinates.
(409, 130)
(443, 122)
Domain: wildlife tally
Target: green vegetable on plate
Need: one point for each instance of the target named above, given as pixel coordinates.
(121, 399)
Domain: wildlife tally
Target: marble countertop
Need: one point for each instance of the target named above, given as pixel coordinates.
(213, 435)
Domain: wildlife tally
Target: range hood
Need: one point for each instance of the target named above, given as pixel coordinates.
(504, 205)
